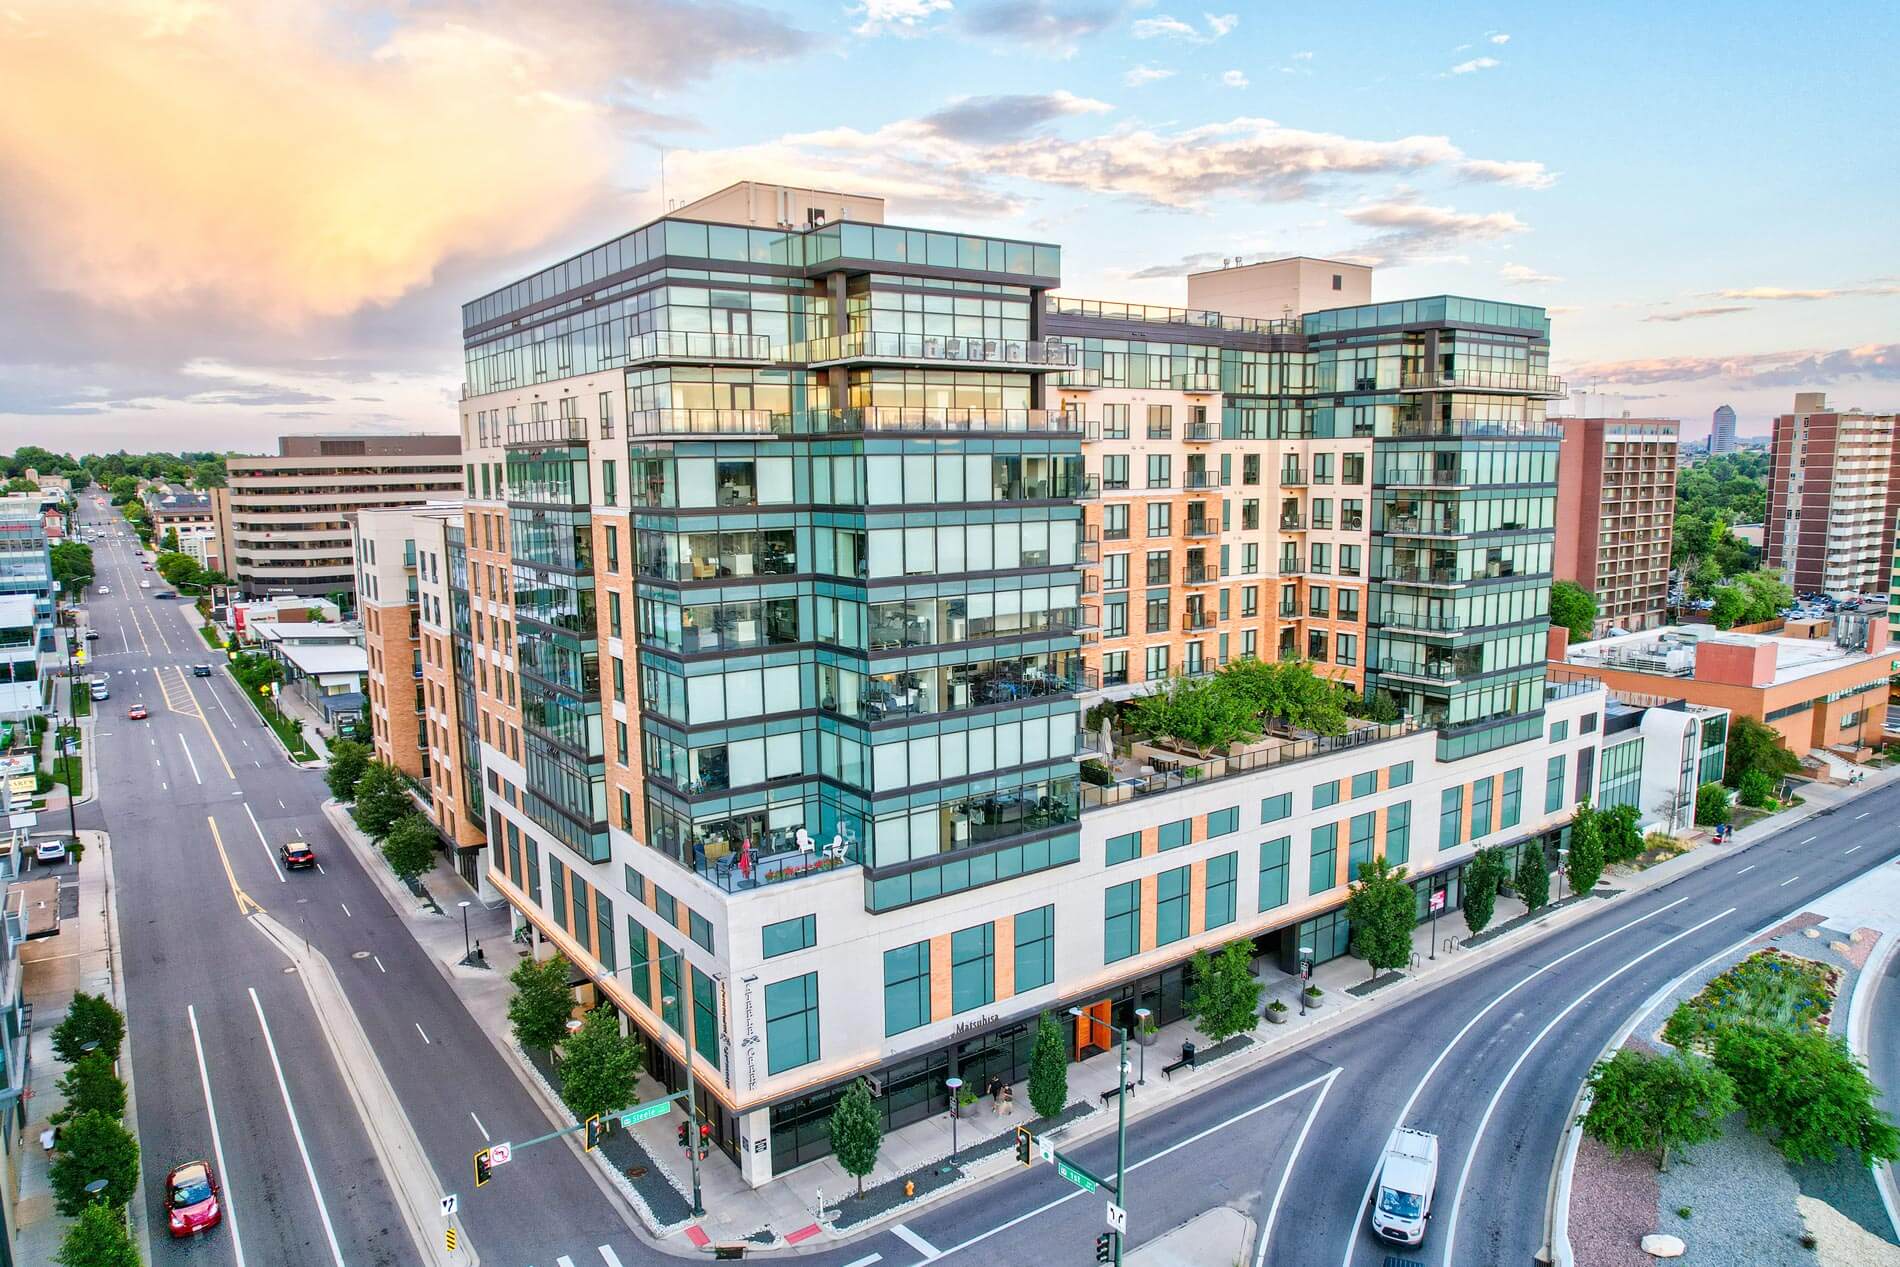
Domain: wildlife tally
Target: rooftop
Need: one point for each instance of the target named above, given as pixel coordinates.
(17, 611)
(324, 659)
(1673, 650)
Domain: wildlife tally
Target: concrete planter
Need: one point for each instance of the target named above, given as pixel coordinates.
(1276, 1016)
(1313, 1000)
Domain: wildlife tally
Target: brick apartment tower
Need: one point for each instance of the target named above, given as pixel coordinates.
(1616, 514)
(1833, 490)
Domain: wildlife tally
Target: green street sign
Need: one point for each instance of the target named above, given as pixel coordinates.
(645, 1112)
(1076, 1175)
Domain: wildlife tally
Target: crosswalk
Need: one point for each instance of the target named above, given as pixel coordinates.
(607, 1257)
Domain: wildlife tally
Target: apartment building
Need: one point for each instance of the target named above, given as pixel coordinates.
(26, 560)
(1833, 492)
(765, 621)
(193, 518)
(388, 602)
(284, 519)
(1616, 516)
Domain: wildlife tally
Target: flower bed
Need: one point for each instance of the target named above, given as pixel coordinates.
(1769, 987)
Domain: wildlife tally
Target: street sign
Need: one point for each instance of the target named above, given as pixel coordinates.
(448, 1206)
(1438, 900)
(1117, 1218)
(1046, 1148)
(498, 1154)
(645, 1112)
(1076, 1175)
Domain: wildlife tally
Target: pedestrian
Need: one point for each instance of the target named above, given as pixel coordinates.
(995, 1091)
(1009, 1100)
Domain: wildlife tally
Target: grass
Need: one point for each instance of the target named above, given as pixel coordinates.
(285, 729)
(1767, 988)
(72, 772)
(209, 632)
(82, 700)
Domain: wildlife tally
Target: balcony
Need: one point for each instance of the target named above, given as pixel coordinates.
(1422, 526)
(1292, 477)
(896, 418)
(1434, 673)
(702, 346)
(1195, 528)
(546, 431)
(1291, 565)
(1427, 626)
(1089, 550)
(1201, 479)
(742, 870)
(1198, 384)
(1199, 574)
(890, 347)
(1197, 620)
(1188, 773)
(1200, 432)
(707, 422)
(1090, 490)
(1424, 576)
(1292, 523)
(1522, 384)
(1475, 429)
(1077, 380)
(1419, 477)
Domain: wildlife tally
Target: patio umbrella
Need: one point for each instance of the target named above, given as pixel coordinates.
(1108, 739)
(745, 857)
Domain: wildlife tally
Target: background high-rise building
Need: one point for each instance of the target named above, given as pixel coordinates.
(1722, 431)
(1616, 514)
(1833, 493)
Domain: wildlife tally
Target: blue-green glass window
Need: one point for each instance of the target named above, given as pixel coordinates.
(1171, 905)
(1451, 814)
(1218, 898)
(1554, 784)
(666, 907)
(700, 930)
(557, 889)
(790, 935)
(1481, 809)
(634, 883)
(906, 987)
(1399, 775)
(639, 978)
(1035, 948)
(791, 1023)
(1220, 822)
(705, 1017)
(1174, 835)
(972, 967)
(1124, 847)
(1275, 808)
(1323, 868)
(604, 931)
(1398, 833)
(1365, 783)
(1360, 843)
(534, 871)
(1274, 886)
(578, 887)
(1559, 731)
(1511, 809)
(1121, 921)
(1326, 794)
(1620, 779)
(670, 988)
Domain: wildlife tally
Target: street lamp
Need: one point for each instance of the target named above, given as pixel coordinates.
(692, 1101)
(72, 715)
(1121, 1117)
(1141, 1024)
(467, 953)
(97, 1189)
(956, 1086)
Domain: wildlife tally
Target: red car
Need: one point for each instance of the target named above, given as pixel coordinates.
(137, 712)
(296, 854)
(191, 1199)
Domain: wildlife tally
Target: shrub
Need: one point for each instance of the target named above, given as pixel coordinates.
(1711, 805)
(1622, 838)
(98, 1238)
(1645, 1103)
(1048, 1069)
(1757, 789)
(1805, 1089)
(1767, 988)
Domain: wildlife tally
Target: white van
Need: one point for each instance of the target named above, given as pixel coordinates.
(1408, 1173)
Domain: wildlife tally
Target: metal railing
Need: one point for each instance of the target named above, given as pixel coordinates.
(547, 431)
(1200, 432)
(1200, 574)
(893, 346)
(1485, 380)
(1157, 314)
(1201, 528)
(1293, 523)
(1190, 773)
(1201, 479)
(1292, 477)
(1420, 477)
(1424, 576)
(697, 345)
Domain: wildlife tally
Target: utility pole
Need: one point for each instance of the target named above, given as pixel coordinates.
(692, 1102)
(1121, 1116)
(72, 714)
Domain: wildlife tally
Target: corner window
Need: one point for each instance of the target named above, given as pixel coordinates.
(787, 936)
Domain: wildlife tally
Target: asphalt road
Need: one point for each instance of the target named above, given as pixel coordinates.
(1489, 1060)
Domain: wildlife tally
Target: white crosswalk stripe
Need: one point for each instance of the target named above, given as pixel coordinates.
(608, 1256)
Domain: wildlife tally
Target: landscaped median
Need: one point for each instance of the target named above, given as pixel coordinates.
(257, 675)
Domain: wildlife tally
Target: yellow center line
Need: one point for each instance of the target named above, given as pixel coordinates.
(199, 713)
(244, 900)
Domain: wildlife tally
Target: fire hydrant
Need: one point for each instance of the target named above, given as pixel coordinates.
(910, 1187)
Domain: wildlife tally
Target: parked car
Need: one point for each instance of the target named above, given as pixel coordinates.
(92, 635)
(138, 712)
(1407, 1175)
(101, 691)
(201, 670)
(50, 851)
(297, 855)
(191, 1199)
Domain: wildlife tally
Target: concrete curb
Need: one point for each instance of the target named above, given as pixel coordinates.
(1859, 1022)
(114, 968)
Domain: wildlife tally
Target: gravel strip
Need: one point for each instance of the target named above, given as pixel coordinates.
(658, 1196)
(1613, 1204)
(1379, 982)
(1742, 1200)
(1496, 931)
(1842, 1244)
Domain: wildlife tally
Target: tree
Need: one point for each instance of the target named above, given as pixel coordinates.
(94, 1146)
(1048, 1069)
(1383, 913)
(72, 565)
(170, 540)
(1380, 706)
(21, 484)
(91, 1086)
(381, 800)
(409, 846)
(1225, 997)
(1705, 579)
(123, 489)
(209, 473)
(1652, 1103)
(1730, 606)
(1711, 805)
(1574, 608)
(1202, 715)
(542, 1002)
(857, 1132)
(90, 1018)
(1585, 863)
(1483, 874)
(1533, 876)
(1765, 594)
(1807, 1090)
(600, 1066)
(1754, 745)
(348, 762)
(1622, 836)
(1757, 789)
(98, 1238)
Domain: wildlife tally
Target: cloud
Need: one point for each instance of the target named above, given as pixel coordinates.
(1521, 173)
(1697, 314)
(1878, 362)
(1474, 65)
(1051, 27)
(1234, 79)
(1524, 276)
(1775, 293)
(1193, 262)
(1500, 38)
(896, 17)
(1413, 231)
(1303, 56)
(1143, 75)
(983, 119)
(1167, 27)
(1222, 24)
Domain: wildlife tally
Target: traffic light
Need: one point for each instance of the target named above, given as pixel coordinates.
(483, 1171)
(1105, 1248)
(1025, 1146)
(593, 1133)
(682, 1135)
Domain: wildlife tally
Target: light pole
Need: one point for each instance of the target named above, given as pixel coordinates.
(956, 1088)
(692, 1102)
(1561, 851)
(1121, 1117)
(1141, 1023)
(467, 953)
(97, 1189)
(72, 707)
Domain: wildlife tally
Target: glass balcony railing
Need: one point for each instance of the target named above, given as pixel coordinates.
(657, 423)
(1521, 383)
(1292, 477)
(1200, 432)
(1078, 380)
(1476, 428)
(539, 431)
(1422, 477)
(1156, 314)
(1200, 574)
(886, 345)
(1200, 479)
(1424, 575)
(697, 345)
(1201, 528)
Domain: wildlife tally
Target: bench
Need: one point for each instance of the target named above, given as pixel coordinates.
(1112, 1092)
(1188, 1056)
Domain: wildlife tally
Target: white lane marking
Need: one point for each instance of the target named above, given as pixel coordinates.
(346, 909)
(608, 1256)
(264, 841)
(1856, 848)
(280, 803)
(283, 1089)
(1273, 1211)
(1790, 880)
(320, 870)
(1189, 1142)
(1810, 840)
(478, 1125)
(915, 1241)
(564, 1261)
(194, 765)
(164, 787)
(217, 1142)
(1745, 870)
(418, 1025)
(1858, 817)
(379, 964)
(258, 764)
(866, 1261)
(1471, 1153)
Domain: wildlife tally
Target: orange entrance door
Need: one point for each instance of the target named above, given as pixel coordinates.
(1091, 1029)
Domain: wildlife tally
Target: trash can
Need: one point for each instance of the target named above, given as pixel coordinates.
(1187, 1052)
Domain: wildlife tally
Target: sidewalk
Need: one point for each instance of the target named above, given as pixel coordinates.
(812, 1205)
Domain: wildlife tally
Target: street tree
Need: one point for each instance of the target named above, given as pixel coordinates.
(94, 1146)
(98, 1238)
(1574, 608)
(1383, 913)
(170, 540)
(600, 1066)
(1048, 1069)
(857, 1132)
(1754, 745)
(1711, 805)
(409, 847)
(541, 1004)
(1533, 876)
(1642, 1103)
(72, 565)
(1225, 997)
(348, 760)
(1483, 874)
(1622, 834)
(1584, 866)
(90, 1018)
(90, 1086)
(381, 800)
(1806, 1090)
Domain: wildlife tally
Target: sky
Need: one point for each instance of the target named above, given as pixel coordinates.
(224, 221)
